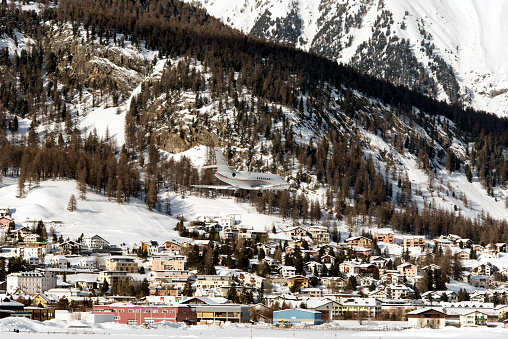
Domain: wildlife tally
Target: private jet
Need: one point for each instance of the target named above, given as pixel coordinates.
(242, 179)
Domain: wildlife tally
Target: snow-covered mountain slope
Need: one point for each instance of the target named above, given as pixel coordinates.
(467, 35)
(119, 223)
(410, 145)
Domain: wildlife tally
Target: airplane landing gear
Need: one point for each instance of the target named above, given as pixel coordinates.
(260, 194)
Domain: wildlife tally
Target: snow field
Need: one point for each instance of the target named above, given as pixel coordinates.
(34, 329)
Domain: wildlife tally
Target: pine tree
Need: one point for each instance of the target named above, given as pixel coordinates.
(71, 207)
(469, 174)
(261, 293)
(457, 267)
(105, 287)
(151, 196)
(232, 295)
(82, 184)
(194, 257)
(119, 191)
(375, 274)
(261, 254)
(168, 205)
(21, 185)
(187, 289)
(144, 288)
(324, 271)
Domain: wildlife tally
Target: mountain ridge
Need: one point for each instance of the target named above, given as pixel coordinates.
(452, 41)
(365, 150)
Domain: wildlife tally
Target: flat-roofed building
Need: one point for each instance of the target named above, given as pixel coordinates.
(297, 316)
(114, 277)
(32, 249)
(30, 282)
(212, 281)
(385, 236)
(319, 234)
(168, 263)
(414, 241)
(40, 313)
(121, 264)
(126, 313)
(209, 311)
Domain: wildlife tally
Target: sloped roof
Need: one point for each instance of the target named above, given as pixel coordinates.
(426, 309)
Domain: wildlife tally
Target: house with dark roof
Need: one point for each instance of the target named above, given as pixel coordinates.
(427, 317)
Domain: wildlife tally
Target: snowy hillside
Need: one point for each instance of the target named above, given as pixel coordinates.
(470, 36)
(155, 105)
(127, 223)
(119, 223)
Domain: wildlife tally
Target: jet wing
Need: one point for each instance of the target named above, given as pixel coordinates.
(266, 187)
(216, 187)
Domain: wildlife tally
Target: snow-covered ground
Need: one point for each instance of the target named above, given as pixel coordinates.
(34, 329)
(119, 223)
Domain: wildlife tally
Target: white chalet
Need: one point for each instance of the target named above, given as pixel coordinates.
(287, 271)
(87, 263)
(95, 242)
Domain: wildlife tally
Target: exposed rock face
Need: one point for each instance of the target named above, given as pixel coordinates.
(97, 66)
(174, 143)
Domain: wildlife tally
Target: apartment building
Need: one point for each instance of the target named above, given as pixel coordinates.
(32, 249)
(414, 241)
(408, 270)
(114, 277)
(319, 234)
(121, 264)
(169, 263)
(30, 282)
(359, 242)
(212, 281)
(387, 237)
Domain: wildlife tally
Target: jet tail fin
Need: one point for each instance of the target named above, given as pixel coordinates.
(222, 165)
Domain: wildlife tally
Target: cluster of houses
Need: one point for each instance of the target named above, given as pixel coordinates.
(366, 286)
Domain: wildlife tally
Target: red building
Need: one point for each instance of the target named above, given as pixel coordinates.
(130, 314)
(4, 222)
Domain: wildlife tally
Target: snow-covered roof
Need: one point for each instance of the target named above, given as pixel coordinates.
(359, 302)
(8, 302)
(356, 238)
(299, 309)
(426, 309)
(464, 311)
